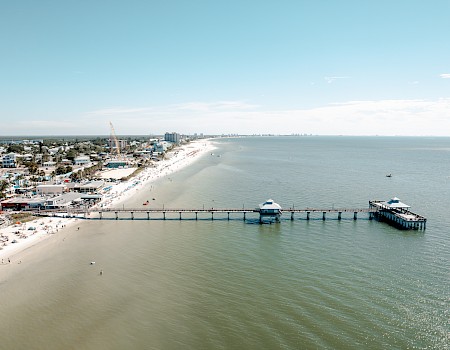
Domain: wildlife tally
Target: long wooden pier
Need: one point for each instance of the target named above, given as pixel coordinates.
(211, 213)
(400, 218)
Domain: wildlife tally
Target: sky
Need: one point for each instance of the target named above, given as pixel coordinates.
(342, 67)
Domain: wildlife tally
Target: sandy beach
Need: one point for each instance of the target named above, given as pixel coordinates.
(16, 237)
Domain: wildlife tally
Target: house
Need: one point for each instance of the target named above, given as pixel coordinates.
(28, 157)
(82, 160)
(49, 164)
(9, 160)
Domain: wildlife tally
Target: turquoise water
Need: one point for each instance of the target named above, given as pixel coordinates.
(240, 285)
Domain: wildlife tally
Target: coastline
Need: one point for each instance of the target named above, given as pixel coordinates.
(26, 235)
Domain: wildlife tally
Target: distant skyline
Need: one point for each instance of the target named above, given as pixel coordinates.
(246, 67)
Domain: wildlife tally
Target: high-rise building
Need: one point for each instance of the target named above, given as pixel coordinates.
(172, 137)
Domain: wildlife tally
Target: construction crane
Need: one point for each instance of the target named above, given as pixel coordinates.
(113, 138)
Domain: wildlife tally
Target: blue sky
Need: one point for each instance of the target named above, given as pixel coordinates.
(321, 67)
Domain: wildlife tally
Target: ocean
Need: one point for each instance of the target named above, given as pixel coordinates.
(235, 284)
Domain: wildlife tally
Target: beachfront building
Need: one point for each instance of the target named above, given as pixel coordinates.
(172, 137)
(161, 147)
(22, 203)
(64, 200)
(89, 187)
(116, 164)
(50, 190)
(9, 160)
(28, 157)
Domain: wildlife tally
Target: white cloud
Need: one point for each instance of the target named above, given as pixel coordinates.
(445, 76)
(118, 111)
(334, 78)
(221, 105)
(380, 117)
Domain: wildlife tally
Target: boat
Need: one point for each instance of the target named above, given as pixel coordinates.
(389, 175)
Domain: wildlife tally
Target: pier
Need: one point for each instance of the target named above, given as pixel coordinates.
(398, 214)
(393, 212)
(180, 213)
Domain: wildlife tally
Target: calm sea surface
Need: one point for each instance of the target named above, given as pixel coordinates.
(240, 285)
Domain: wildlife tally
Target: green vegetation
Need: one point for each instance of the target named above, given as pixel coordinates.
(3, 187)
(22, 217)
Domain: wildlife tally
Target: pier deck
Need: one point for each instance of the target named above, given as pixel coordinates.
(400, 218)
(131, 213)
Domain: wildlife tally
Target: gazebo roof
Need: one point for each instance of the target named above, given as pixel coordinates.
(395, 203)
(269, 204)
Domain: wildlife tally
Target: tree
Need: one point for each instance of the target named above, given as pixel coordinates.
(32, 167)
(3, 186)
(71, 154)
(13, 148)
(60, 170)
(75, 176)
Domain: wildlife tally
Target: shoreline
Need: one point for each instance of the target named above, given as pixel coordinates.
(31, 233)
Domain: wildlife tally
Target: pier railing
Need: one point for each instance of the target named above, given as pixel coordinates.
(399, 217)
